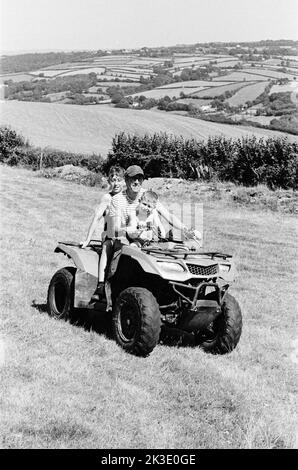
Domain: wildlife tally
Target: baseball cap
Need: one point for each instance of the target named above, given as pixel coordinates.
(133, 170)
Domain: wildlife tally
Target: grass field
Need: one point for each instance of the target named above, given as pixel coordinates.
(270, 73)
(105, 85)
(158, 93)
(111, 76)
(291, 87)
(196, 102)
(240, 76)
(65, 386)
(247, 93)
(220, 90)
(227, 63)
(90, 129)
(16, 77)
(49, 73)
(84, 71)
(265, 120)
(193, 84)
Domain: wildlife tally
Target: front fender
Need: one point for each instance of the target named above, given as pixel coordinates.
(85, 259)
(229, 276)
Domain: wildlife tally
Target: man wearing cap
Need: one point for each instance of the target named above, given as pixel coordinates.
(124, 203)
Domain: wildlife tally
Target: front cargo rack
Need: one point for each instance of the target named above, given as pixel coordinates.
(183, 254)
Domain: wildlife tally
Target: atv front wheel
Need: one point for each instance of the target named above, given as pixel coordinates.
(223, 334)
(136, 321)
(61, 293)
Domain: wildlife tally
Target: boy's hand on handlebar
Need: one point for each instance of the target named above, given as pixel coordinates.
(134, 233)
(192, 233)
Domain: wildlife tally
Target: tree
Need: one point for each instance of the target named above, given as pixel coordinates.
(117, 96)
(93, 77)
(123, 103)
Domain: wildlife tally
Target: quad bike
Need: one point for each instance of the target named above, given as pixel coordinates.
(164, 288)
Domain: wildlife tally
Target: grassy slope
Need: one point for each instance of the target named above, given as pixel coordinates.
(64, 386)
(91, 128)
(248, 93)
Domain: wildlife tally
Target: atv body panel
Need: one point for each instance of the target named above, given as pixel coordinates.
(86, 262)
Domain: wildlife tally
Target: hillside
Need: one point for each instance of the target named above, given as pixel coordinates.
(65, 386)
(225, 81)
(90, 129)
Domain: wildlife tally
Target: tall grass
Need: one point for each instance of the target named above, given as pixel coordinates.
(66, 386)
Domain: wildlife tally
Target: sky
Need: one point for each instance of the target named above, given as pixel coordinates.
(40, 25)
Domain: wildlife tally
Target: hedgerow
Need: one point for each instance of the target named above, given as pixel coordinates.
(247, 161)
(14, 150)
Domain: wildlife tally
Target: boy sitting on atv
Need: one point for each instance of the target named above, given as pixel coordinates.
(116, 182)
(144, 223)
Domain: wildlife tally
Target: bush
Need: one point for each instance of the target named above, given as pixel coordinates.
(286, 124)
(9, 140)
(248, 161)
(14, 150)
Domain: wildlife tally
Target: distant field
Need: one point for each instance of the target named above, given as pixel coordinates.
(196, 102)
(239, 76)
(57, 96)
(16, 77)
(85, 71)
(181, 61)
(129, 69)
(292, 87)
(293, 70)
(265, 120)
(194, 84)
(105, 85)
(271, 62)
(111, 77)
(217, 91)
(70, 65)
(141, 61)
(247, 93)
(269, 73)
(224, 59)
(124, 75)
(90, 129)
(227, 63)
(171, 92)
(49, 73)
(110, 61)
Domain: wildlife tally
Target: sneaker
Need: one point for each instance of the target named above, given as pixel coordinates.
(99, 292)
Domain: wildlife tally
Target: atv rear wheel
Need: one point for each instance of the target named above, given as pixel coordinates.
(136, 321)
(61, 293)
(224, 333)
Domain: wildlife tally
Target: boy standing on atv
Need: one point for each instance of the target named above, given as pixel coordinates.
(145, 223)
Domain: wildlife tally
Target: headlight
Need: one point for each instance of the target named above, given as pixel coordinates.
(225, 268)
(171, 266)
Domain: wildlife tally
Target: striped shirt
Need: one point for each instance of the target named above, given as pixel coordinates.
(121, 207)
